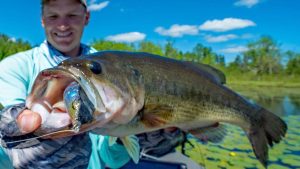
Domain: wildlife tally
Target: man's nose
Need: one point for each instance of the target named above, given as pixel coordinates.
(63, 24)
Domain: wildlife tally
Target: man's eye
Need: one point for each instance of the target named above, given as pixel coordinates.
(52, 17)
(72, 15)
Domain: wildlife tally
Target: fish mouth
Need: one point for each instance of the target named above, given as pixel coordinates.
(48, 93)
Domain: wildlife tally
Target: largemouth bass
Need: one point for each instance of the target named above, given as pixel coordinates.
(124, 93)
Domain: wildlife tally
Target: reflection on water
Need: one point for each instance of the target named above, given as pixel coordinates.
(236, 152)
(291, 106)
(281, 101)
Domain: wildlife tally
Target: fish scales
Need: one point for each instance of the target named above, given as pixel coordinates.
(162, 82)
(130, 92)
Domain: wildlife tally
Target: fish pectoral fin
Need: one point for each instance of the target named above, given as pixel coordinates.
(214, 133)
(132, 146)
(112, 140)
(156, 115)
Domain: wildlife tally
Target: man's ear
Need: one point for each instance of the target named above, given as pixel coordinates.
(42, 22)
(87, 17)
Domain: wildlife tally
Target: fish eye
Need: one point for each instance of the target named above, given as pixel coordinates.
(95, 67)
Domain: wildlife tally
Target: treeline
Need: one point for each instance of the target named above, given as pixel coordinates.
(263, 57)
(9, 46)
(200, 53)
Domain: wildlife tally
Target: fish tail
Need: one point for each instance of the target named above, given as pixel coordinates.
(270, 130)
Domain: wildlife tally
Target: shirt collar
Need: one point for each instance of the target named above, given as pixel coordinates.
(56, 57)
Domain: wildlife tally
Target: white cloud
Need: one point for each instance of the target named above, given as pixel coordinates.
(93, 6)
(221, 38)
(127, 37)
(177, 30)
(247, 3)
(236, 49)
(225, 24)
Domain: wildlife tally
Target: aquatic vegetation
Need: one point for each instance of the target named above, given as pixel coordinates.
(292, 161)
(277, 166)
(235, 151)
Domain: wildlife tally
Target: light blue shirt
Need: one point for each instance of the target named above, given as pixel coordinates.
(17, 74)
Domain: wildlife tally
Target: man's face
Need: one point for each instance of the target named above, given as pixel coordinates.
(64, 21)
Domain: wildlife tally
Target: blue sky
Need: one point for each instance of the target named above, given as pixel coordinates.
(224, 25)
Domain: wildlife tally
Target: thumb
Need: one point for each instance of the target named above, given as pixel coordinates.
(28, 121)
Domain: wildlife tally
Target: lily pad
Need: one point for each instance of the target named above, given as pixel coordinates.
(277, 166)
(291, 162)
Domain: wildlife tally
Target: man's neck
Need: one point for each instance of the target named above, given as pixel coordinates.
(74, 53)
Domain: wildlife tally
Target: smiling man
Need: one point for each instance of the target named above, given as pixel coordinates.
(64, 22)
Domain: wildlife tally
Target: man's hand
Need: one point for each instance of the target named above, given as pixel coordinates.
(67, 152)
(28, 121)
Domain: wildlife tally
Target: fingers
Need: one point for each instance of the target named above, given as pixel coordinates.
(28, 121)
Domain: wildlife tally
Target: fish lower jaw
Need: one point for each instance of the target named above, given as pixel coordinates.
(127, 112)
(114, 106)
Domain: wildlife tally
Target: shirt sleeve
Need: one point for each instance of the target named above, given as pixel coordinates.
(13, 89)
(14, 75)
(4, 160)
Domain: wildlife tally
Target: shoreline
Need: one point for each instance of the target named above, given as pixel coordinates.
(275, 84)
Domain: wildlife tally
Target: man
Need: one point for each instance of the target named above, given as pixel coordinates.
(63, 22)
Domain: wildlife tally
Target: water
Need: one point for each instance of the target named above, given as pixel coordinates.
(236, 152)
(284, 102)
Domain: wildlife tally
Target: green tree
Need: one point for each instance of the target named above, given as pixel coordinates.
(110, 45)
(293, 64)
(9, 46)
(206, 55)
(146, 46)
(171, 51)
(189, 56)
(220, 60)
(200, 52)
(263, 56)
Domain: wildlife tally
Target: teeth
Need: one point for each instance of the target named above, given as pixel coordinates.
(63, 34)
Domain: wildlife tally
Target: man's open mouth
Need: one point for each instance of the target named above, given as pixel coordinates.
(63, 34)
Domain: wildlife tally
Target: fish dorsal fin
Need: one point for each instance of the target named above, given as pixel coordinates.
(218, 75)
(214, 133)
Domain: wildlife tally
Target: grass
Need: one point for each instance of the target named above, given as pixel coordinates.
(252, 83)
(252, 80)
